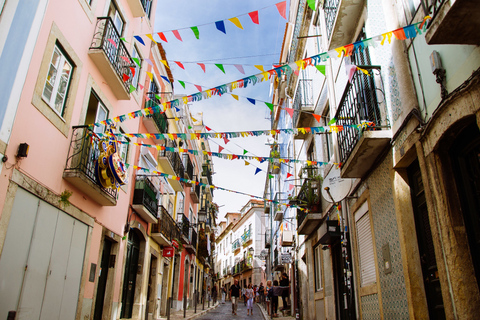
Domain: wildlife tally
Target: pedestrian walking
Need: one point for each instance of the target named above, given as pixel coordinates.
(261, 293)
(224, 293)
(276, 291)
(243, 296)
(268, 297)
(249, 294)
(235, 294)
(285, 284)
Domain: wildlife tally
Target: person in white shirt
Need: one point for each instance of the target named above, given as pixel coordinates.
(249, 294)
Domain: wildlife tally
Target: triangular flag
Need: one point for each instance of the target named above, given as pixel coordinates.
(311, 4)
(282, 6)
(226, 140)
(125, 77)
(220, 26)
(239, 68)
(247, 163)
(195, 32)
(112, 42)
(220, 148)
(182, 83)
(162, 36)
(270, 106)
(252, 101)
(245, 152)
(132, 69)
(165, 63)
(139, 39)
(254, 16)
(123, 39)
(177, 35)
(290, 187)
(199, 88)
(165, 78)
(149, 62)
(332, 121)
(236, 22)
(317, 117)
(290, 111)
(149, 36)
(208, 128)
(257, 170)
(179, 64)
(321, 68)
(202, 65)
(137, 61)
(132, 88)
(235, 96)
(150, 75)
(140, 86)
(289, 175)
(270, 176)
(220, 66)
(260, 67)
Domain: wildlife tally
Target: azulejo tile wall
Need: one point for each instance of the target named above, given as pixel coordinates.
(370, 308)
(392, 285)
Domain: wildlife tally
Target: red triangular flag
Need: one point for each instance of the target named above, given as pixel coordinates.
(125, 77)
(317, 117)
(226, 140)
(133, 71)
(202, 65)
(282, 6)
(290, 111)
(179, 64)
(290, 187)
(254, 16)
(234, 156)
(177, 35)
(198, 87)
(208, 129)
(220, 148)
(162, 36)
(289, 175)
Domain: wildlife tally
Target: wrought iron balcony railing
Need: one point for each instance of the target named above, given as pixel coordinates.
(236, 245)
(185, 227)
(330, 8)
(166, 225)
(107, 38)
(174, 159)
(160, 119)
(246, 236)
(145, 194)
(82, 156)
(187, 163)
(358, 104)
(207, 173)
(193, 238)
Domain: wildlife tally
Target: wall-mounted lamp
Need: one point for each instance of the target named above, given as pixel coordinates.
(439, 72)
(22, 151)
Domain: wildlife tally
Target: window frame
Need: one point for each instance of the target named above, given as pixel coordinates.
(138, 68)
(317, 267)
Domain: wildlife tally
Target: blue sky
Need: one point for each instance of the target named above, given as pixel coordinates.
(254, 45)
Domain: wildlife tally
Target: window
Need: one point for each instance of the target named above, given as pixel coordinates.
(117, 19)
(57, 81)
(137, 67)
(327, 141)
(181, 203)
(365, 246)
(317, 264)
(96, 112)
(170, 208)
(123, 147)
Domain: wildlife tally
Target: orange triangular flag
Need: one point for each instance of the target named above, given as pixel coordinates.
(317, 117)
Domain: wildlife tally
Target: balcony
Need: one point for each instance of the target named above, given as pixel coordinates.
(236, 246)
(303, 101)
(278, 216)
(268, 238)
(188, 165)
(277, 262)
(111, 57)
(208, 225)
(145, 199)
(454, 22)
(360, 148)
(165, 229)
(140, 8)
(171, 163)
(195, 191)
(156, 122)
(246, 264)
(341, 19)
(246, 238)
(192, 238)
(80, 167)
(310, 215)
(184, 228)
(207, 172)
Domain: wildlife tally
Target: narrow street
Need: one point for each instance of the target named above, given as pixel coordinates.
(224, 311)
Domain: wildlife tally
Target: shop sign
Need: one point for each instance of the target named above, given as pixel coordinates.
(286, 258)
(175, 243)
(168, 252)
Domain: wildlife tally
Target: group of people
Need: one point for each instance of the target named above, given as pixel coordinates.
(268, 294)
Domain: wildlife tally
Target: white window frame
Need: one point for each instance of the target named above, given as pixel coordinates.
(365, 246)
(57, 80)
(317, 265)
(138, 68)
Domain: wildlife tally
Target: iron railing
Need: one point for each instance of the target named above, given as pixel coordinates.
(166, 225)
(236, 244)
(330, 8)
(107, 38)
(188, 166)
(174, 159)
(185, 226)
(207, 173)
(303, 97)
(160, 119)
(246, 236)
(193, 238)
(145, 194)
(83, 154)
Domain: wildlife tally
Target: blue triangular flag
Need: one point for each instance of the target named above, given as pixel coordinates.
(258, 170)
(139, 39)
(220, 26)
(251, 100)
(165, 78)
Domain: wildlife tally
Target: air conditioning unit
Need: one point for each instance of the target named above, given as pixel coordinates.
(287, 238)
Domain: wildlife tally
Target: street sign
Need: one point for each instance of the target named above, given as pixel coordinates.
(175, 243)
(286, 257)
(168, 252)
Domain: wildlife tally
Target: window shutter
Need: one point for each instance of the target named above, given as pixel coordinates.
(365, 246)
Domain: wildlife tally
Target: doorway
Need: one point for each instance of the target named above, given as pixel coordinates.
(102, 280)
(426, 250)
(130, 276)
(152, 283)
(344, 298)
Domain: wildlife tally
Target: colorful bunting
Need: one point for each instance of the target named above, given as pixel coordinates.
(179, 64)
(202, 65)
(321, 68)
(252, 101)
(220, 26)
(177, 35)
(282, 6)
(139, 39)
(257, 170)
(311, 4)
(112, 42)
(236, 22)
(162, 36)
(220, 66)
(254, 16)
(196, 32)
(239, 68)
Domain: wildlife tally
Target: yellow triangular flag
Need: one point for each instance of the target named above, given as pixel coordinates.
(260, 67)
(194, 120)
(165, 63)
(176, 119)
(235, 96)
(236, 22)
(149, 36)
(150, 75)
(247, 163)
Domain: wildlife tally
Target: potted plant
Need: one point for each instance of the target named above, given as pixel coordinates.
(310, 195)
(274, 159)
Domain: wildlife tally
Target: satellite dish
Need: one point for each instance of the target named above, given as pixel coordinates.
(338, 186)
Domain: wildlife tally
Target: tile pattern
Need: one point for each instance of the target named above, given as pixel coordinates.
(392, 285)
(370, 307)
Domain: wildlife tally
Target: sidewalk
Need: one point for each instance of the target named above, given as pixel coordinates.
(267, 317)
(177, 315)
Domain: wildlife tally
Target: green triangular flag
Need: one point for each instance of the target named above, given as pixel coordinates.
(195, 32)
(220, 66)
(132, 88)
(269, 105)
(270, 176)
(182, 83)
(189, 127)
(311, 4)
(123, 39)
(137, 61)
(321, 68)
(245, 151)
(332, 121)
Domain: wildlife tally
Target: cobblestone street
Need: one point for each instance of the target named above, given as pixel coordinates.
(224, 311)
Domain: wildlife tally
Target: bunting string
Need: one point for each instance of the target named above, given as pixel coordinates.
(407, 32)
